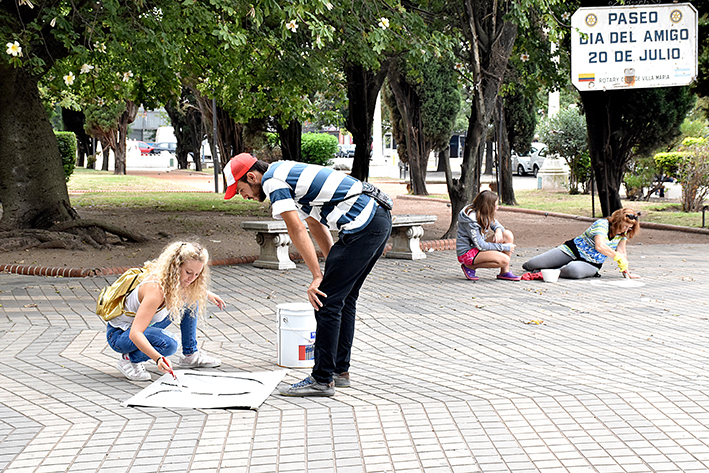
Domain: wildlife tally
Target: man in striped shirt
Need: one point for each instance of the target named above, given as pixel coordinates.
(325, 199)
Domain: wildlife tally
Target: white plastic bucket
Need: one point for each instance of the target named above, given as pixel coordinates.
(296, 335)
(551, 275)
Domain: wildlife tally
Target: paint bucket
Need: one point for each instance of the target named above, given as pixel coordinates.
(296, 335)
(551, 275)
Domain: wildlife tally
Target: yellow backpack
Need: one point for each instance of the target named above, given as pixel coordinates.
(110, 302)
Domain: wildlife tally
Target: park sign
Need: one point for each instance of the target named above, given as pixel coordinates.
(632, 47)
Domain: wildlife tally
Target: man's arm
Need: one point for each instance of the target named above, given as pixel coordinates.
(321, 234)
(302, 242)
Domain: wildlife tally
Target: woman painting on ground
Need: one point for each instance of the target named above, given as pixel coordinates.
(583, 256)
(175, 290)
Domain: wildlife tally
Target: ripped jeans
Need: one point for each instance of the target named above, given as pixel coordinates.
(163, 341)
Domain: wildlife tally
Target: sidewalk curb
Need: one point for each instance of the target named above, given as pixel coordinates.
(426, 245)
(32, 270)
(649, 225)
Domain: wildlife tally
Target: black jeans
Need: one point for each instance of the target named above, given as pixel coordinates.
(348, 264)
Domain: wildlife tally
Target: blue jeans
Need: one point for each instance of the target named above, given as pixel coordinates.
(163, 341)
(348, 264)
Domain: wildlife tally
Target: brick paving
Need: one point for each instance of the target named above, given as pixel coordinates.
(447, 374)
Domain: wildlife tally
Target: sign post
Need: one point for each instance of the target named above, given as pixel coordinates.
(634, 47)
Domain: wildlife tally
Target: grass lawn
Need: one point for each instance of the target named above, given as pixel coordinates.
(562, 202)
(130, 191)
(149, 193)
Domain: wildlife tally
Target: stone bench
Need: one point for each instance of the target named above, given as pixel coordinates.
(406, 233)
(272, 236)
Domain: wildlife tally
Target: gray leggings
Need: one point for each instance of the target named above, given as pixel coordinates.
(557, 259)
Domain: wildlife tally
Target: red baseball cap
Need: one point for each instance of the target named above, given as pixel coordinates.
(235, 170)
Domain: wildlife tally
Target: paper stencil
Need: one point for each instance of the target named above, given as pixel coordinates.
(209, 390)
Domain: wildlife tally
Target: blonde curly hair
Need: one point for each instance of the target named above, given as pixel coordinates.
(166, 272)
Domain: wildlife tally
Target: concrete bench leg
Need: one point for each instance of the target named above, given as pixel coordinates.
(274, 251)
(406, 243)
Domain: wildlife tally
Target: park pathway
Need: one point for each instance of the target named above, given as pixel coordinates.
(448, 375)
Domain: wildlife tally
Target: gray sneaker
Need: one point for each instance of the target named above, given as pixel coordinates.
(309, 387)
(342, 380)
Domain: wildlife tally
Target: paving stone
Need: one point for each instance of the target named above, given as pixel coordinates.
(447, 376)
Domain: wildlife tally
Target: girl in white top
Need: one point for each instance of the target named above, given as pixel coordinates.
(175, 290)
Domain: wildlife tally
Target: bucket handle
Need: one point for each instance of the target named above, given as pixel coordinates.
(285, 321)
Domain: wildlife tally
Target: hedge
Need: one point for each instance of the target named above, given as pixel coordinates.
(318, 148)
(67, 148)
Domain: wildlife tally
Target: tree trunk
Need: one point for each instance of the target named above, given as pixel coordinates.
(489, 158)
(290, 140)
(607, 153)
(186, 119)
(74, 121)
(491, 39)
(106, 144)
(126, 118)
(504, 170)
(230, 140)
(440, 165)
(33, 190)
(363, 86)
(418, 148)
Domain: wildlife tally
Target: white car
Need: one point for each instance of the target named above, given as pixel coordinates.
(532, 162)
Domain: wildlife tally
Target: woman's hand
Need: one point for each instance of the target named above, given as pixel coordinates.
(621, 261)
(164, 365)
(216, 300)
(497, 237)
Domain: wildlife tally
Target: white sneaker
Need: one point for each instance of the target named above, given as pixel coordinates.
(133, 371)
(198, 359)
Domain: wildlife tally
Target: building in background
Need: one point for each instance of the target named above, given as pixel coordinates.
(147, 123)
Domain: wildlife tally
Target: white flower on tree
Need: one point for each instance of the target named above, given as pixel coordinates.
(14, 49)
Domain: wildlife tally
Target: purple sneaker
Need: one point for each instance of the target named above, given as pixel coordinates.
(469, 273)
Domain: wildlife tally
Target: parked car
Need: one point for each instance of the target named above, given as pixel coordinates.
(144, 147)
(531, 162)
(165, 146)
(345, 151)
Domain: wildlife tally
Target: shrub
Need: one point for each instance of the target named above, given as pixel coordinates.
(565, 134)
(693, 173)
(638, 177)
(318, 148)
(90, 161)
(690, 165)
(67, 148)
(668, 162)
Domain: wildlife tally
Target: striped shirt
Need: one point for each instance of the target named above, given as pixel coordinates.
(332, 197)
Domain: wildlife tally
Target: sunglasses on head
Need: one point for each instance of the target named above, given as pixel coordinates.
(632, 216)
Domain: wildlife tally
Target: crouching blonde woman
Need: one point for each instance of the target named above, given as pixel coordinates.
(175, 290)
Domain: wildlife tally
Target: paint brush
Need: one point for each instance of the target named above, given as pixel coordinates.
(169, 367)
